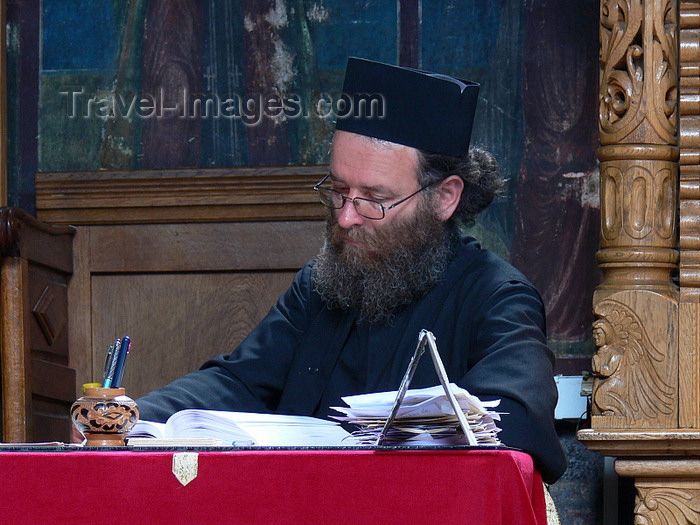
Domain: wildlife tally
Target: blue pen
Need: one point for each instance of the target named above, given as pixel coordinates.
(123, 352)
(111, 363)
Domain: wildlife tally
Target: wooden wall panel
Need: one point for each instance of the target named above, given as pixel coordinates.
(200, 233)
(38, 385)
(177, 321)
(184, 292)
(203, 247)
(186, 196)
(52, 379)
(49, 320)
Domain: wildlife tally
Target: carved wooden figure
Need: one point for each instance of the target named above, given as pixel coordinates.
(633, 383)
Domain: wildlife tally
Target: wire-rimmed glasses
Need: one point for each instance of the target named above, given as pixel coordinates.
(367, 208)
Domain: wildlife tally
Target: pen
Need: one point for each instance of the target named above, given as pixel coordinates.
(123, 353)
(108, 362)
(111, 363)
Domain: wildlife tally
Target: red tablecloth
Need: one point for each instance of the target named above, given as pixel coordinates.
(478, 487)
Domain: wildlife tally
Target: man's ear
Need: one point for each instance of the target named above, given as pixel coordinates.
(448, 193)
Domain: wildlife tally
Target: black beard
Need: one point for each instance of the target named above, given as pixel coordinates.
(394, 265)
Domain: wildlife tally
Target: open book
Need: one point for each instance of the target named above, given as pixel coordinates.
(240, 429)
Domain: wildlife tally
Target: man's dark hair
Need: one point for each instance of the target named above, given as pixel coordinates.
(479, 171)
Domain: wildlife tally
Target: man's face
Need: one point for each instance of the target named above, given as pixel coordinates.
(383, 172)
(377, 266)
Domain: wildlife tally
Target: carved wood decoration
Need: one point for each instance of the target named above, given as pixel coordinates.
(645, 408)
(689, 271)
(666, 505)
(638, 117)
(634, 387)
(639, 42)
(668, 491)
(49, 313)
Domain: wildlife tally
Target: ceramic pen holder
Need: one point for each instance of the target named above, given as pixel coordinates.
(104, 416)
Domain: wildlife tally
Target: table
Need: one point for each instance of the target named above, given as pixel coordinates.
(279, 486)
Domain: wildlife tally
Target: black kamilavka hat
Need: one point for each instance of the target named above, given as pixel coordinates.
(428, 111)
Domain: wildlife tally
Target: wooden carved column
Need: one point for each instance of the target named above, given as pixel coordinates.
(646, 395)
(689, 274)
(637, 304)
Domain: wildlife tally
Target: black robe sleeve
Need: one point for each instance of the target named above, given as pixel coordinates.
(511, 362)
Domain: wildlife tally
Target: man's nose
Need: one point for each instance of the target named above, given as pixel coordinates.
(348, 216)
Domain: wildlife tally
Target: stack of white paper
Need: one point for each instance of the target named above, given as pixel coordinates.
(425, 417)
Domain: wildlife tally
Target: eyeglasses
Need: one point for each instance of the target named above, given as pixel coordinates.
(367, 208)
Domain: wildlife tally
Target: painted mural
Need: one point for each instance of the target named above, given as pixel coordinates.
(223, 83)
(182, 83)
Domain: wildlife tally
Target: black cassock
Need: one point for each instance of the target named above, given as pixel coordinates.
(489, 324)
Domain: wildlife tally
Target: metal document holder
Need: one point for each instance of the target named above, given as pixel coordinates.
(426, 338)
